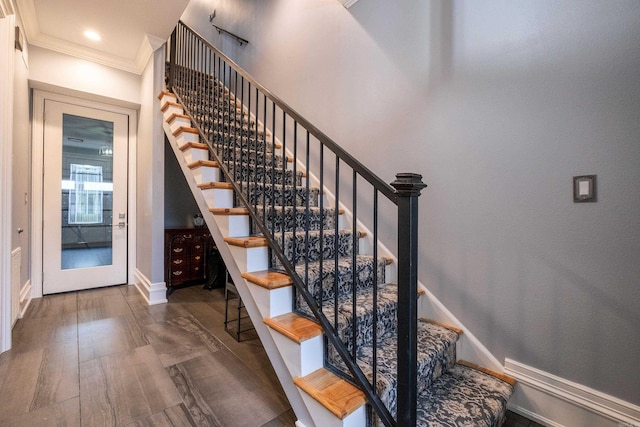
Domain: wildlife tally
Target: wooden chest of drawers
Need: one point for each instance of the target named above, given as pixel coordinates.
(187, 252)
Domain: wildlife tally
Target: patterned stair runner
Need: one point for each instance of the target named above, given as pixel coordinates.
(450, 394)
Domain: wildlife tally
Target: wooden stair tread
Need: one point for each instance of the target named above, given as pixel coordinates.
(444, 325)
(215, 185)
(294, 327)
(177, 116)
(166, 93)
(229, 211)
(268, 279)
(203, 163)
(247, 242)
(197, 145)
(183, 129)
(498, 375)
(334, 393)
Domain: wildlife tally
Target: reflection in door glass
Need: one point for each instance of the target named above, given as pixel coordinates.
(87, 192)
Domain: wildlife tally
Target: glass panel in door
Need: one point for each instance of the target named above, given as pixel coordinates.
(87, 190)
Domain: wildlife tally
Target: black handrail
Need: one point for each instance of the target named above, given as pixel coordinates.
(217, 94)
(229, 33)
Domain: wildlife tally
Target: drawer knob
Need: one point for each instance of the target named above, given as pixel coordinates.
(177, 273)
(177, 261)
(198, 258)
(177, 250)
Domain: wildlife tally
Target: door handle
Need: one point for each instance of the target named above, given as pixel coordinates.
(121, 224)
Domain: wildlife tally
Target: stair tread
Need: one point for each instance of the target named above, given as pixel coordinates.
(184, 129)
(463, 393)
(269, 279)
(175, 116)
(203, 164)
(509, 380)
(444, 325)
(294, 327)
(229, 211)
(166, 93)
(247, 242)
(215, 185)
(196, 145)
(334, 393)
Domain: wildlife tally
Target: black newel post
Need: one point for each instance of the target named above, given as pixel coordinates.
(172, 58)
(408, 187)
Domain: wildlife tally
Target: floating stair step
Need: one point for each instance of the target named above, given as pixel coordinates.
(294, 327)
(464, 396)
(334, 393)
(268, 279)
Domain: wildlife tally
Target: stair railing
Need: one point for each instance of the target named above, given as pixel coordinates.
(241, 120)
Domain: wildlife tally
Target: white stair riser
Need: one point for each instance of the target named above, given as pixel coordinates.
(206, 174)
(179, 122)
(322, 417)
(233, 225)
(194, 154)
(272, 303)
(218, 198)
(186, 137)
(168, 98)
(303, 358)
(171, 110)
(251, 259)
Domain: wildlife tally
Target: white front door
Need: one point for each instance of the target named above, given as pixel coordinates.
(85, 198)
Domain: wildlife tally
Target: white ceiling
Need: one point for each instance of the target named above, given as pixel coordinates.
(130, 29)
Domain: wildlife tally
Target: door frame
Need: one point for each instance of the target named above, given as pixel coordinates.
(37, 191)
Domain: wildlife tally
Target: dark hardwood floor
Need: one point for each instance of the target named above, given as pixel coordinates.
(105, 358)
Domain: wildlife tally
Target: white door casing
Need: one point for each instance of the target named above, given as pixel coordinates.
(56, 276)
(44, 92)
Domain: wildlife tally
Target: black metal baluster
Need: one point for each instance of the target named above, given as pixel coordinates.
(354, 279)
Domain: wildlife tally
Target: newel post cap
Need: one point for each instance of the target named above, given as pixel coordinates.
(408, 184)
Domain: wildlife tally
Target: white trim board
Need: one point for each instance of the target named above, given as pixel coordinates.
(555, 401)
(37, 153)
(153, 293)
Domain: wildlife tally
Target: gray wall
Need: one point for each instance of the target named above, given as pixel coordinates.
(498, 104)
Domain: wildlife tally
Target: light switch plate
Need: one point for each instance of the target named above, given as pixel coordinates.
(584, 189)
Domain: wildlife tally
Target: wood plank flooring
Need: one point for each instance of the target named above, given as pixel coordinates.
(104, 358)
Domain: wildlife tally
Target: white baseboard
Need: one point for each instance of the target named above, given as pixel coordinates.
(25, 298)
(299, 424)
(554, 401)
(153, 293)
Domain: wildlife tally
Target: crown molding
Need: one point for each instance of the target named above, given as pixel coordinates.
(81, 52)
(6, 8)
(34, 37)
(149, 45)
(348, 3)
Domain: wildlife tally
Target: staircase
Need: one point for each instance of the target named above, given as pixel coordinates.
(325, 286)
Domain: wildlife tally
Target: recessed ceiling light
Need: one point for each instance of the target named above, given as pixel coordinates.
(92, 35)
